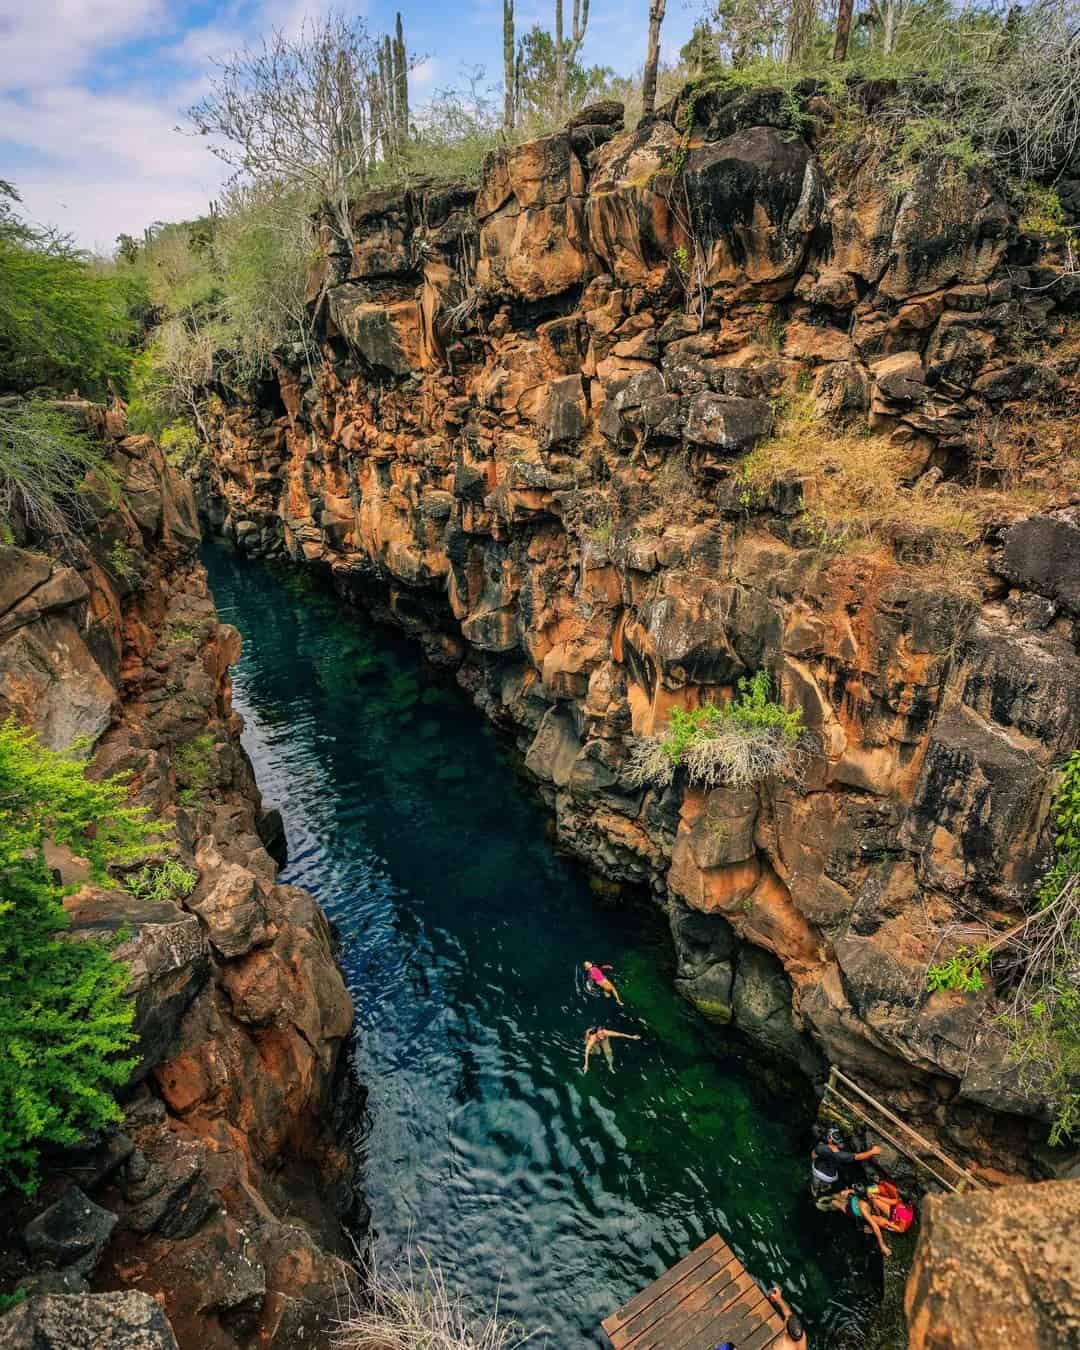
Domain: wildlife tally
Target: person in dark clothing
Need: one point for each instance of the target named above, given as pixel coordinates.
(828, 1159)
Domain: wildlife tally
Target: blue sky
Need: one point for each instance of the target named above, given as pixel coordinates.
(91, 91)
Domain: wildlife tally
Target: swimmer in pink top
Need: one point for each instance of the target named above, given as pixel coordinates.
(597, 977)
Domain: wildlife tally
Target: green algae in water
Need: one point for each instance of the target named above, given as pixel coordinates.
(462, 932)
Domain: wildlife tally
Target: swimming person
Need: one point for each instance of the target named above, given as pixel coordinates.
(848, 1201)
(794, 1337)
(602, 1037)
(596, 975)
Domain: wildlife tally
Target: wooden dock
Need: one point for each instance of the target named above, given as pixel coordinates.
(706, 1299)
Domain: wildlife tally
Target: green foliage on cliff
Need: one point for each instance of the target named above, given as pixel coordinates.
(64, 321)
(65, 1017)
(739, 742)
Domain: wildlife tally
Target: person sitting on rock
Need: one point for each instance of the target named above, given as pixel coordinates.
(827, 1158)
(794, 1337)
(602, 1037)
(848, 1201)
(895, 1214)
(595, 975)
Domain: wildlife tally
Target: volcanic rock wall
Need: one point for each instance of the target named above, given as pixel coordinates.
(213, 1195)
(523, 447)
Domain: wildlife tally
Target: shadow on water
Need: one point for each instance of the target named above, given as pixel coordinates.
(560, 1193)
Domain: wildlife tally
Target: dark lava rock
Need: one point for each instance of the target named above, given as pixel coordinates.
(126, 1321)
(72, 1232)
(608, 112)
(1042, 554)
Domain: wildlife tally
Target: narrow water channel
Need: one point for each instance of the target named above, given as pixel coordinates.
(463, 933)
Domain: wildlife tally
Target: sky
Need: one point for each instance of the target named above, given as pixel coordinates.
(92, 92)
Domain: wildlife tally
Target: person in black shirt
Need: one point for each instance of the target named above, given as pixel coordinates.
(829, 1156)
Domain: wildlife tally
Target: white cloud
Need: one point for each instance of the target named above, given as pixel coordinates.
(48, 43)
(423, 72)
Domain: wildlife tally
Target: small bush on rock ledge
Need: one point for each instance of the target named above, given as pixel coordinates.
(740, 743)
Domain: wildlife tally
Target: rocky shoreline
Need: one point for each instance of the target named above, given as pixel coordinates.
(220, 1196)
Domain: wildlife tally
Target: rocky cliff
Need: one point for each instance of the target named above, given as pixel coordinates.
(214, 1197)
(529, 442)
(998, 1270)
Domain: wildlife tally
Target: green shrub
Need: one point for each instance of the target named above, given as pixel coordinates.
(193, 764)
(123, 562)
(65, 1017)
(740, 742)
(62, 319)
(963, 970)
(170, 881)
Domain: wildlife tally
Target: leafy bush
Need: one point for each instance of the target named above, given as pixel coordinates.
(44, 462)
(123, 562)
(743, 741)
(65, 1018)
(62, 320)
(963, 970)
(170, 881)
(193, 764)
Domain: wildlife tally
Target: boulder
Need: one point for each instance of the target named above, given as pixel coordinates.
(761, 1008)
(233, 910)
(124, 1321)
(166, 952)
(997, 1269)
(72, 1232)
(705, 948)
(755, 199)
(729, 424)
(1042, 554)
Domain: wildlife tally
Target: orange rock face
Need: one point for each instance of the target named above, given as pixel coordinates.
(549, 498)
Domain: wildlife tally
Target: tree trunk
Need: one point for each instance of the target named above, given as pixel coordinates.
(843, 29)
(800, 28)
(891, 22)
(508, 65)
(652, 57)
(560, 65)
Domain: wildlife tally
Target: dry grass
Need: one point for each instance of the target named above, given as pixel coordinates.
(417, 1310)
(857, 500)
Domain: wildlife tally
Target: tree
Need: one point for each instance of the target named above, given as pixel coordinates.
(652, 56)
(312, 114)
(536, 81)
(843, 29)
(566, 50)
(800, 31)
(61, 320)
(65, 1016)
(509, 99)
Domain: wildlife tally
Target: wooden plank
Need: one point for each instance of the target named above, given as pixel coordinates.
(762, 1338)
(701, 1305)
(711, 1276)
(690, 1333)
(739, 1321)
(879, 1129)
(671, 1277)
(926, 1144)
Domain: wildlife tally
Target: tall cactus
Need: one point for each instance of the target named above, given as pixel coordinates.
(401, 82)
(508, 65)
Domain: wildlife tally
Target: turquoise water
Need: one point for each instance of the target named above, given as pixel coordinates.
(463, 932)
